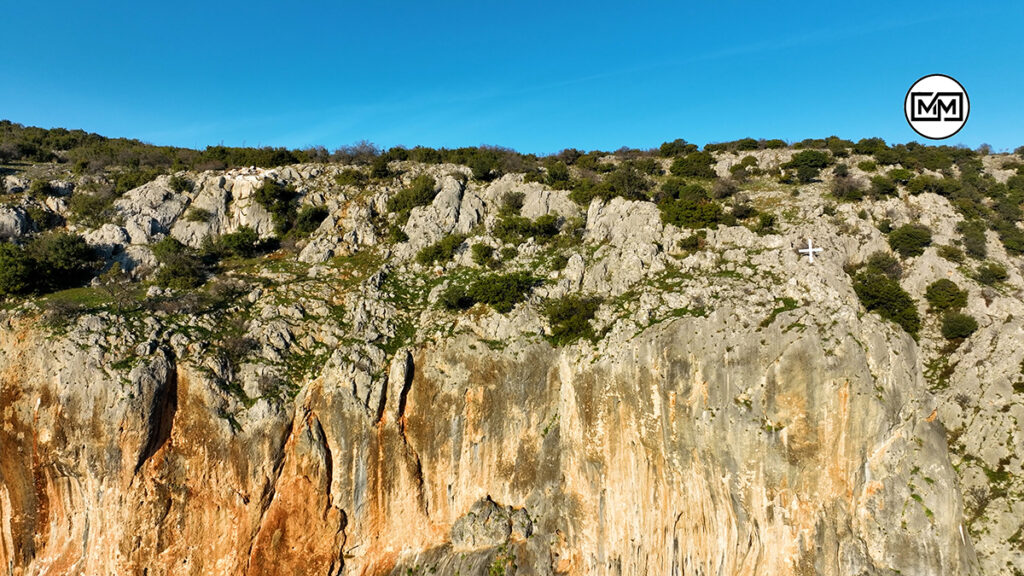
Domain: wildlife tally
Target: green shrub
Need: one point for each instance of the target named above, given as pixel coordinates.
(900, 175)
(242, 242)
(869, 145)
(812, 160)
(420, 192)
(956, 326)
(515, 229)
(180, 184)
(61, 260)
(570, 318)
(807, 174)
(508, 253)
(558, 176)
(485, 166)
(483, 254)
(281, 202)
(455, 297)
(766, 223)
(500, 291)
(196, 214)
(745, 168)
(42, 218)
(841, 170)
(626, 181)
(867, 165)
(559, 262)
(41, 188)
(678, 147)
(884, 263)
(887, 157)
(910, 239)
(991, 273)
(694, 165)
(942, 186)
(441, 251)
(91, 210)
(130, 179)
(16, 274)
(688, 205)
(308, 220)
(350, 177)
(511, 204)
(945, 295)
(975, 242)
(883, 186)
(951, 253)
(881, 294)
(694, 242)
(743, 211)
(379, 168)
(180, 266)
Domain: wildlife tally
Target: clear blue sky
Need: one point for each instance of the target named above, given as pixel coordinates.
(535, 76)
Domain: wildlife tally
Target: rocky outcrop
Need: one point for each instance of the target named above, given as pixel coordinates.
(737, 411)
(13, 222)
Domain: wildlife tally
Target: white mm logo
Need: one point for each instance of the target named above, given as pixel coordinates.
(937, 106)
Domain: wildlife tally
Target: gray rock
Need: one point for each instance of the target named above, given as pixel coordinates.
(14, 222)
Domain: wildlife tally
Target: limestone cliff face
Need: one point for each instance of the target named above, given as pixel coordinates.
(319, 412)
(695, 447)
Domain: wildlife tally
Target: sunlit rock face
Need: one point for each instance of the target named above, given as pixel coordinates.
(694, 447)
(319, 411)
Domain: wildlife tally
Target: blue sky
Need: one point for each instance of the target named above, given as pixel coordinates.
(535, 76)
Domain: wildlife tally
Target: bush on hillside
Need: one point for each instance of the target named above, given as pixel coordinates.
(380, 169)
(956, 326)
(694, 165)
(558, 176)
(350, 177)
(60, 261)
(991, 273)
(500, 291)
(180, 266)
(483, 254)
(688, 206)
(880, 293)
(951, 253)
(420, 192)
(281, 202)
(678, 147)
(910, 239)
(180, 184)
(16, 273)
(242, 242)
(515, 229)
(570, 318)
(883, 186)
(944, 294)
(91, 210)
(511, 204)
(974, 240)
(441, 251)
(308, 220)
(884, 263)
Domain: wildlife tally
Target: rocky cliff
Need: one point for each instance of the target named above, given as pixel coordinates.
(319, 411)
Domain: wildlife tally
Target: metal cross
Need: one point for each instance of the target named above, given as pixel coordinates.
(809, 251)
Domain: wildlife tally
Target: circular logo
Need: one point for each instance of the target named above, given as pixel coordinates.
(937, 106)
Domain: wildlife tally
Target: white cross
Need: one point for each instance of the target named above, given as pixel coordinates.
(809, 251)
